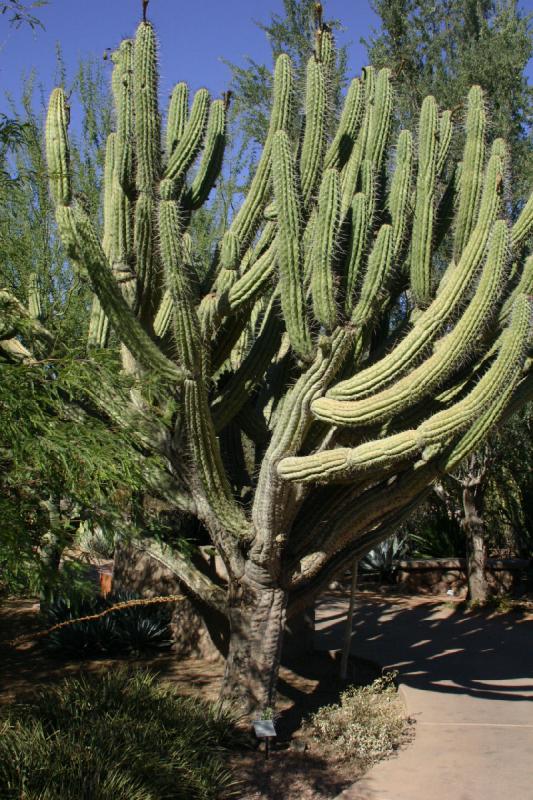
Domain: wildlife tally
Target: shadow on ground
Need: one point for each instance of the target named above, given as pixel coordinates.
(436, 645)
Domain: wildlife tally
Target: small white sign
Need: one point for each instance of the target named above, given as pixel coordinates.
(264, 728)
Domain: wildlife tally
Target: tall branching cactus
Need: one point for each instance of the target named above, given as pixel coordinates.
(331, 366)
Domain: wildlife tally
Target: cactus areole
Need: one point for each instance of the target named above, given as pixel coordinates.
(365, 320)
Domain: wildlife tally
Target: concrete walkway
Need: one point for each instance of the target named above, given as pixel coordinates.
(466, 680)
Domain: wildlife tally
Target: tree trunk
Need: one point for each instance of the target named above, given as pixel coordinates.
(51, 549)
(257, 621)
(476, 545)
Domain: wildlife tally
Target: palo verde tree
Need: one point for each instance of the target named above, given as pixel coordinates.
(294, 417)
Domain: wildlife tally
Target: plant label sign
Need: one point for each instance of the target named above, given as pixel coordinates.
(264, 728)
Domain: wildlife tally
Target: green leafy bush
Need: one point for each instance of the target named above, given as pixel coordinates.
(367, 725)
(128, 630)
(120, 736)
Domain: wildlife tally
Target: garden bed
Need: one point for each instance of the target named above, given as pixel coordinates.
(297, 767)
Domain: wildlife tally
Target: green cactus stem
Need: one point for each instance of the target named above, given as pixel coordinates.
(289, 251)
(324, 250)
(472, 172)
(422, 235)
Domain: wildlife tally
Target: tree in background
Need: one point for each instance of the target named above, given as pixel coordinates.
(59, 468)
(441, 49)
(20, 13)
(444, 48)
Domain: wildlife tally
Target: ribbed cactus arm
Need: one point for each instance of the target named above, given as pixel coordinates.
(472, 172)
(123, 97)
(524, 286)
(98, 333)
(289, 247)
(314, 140)
(81, 242)
(208, 462)
(147, 127)
(351, 170)
(480, 429)
(355, 250)
(456, 281)
(506, 370)
(99, 324)
(251, 371)
(369, 86)
(147, 119)
(35, 300)
(121, 192)
(109, 233)
(57, 150)
(432, 435)
(272, 501)
(83, 246)
(376, 277)
(445, 140)
(211, 163)
(450, 353)
(254, 281)
(344, 463)
(178, 112)
(422, 233)
(523, 227)
(190, 141)
(249, 216)
(324, 251)
(186, 326)
(340, 148)
(380, 121)
(400, 191)
(16, 319)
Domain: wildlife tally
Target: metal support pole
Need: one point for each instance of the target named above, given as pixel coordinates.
(349, 621)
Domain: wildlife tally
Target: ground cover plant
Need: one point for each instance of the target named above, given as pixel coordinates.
(362, 324)
(369, 723)
(117, 735)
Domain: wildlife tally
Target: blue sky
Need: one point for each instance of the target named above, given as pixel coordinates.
(194, 36)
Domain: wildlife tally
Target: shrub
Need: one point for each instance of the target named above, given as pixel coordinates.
(119, 736)
(130, 630)
(95, 541)
(367, 725)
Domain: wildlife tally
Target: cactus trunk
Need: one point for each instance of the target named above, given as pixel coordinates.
(256, 621)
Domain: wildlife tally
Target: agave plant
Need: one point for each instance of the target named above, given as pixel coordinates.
(134, 629)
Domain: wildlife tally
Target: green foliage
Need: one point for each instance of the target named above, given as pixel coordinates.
(509, 494)
(117, 735)
(19, 12)
(132, 630)
(432, 532)
(58, 452)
